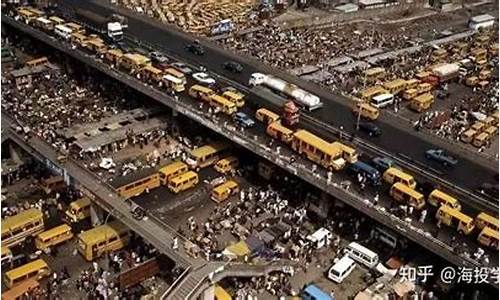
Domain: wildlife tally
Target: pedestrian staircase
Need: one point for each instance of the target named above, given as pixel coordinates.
(191, 283)
(196, 281)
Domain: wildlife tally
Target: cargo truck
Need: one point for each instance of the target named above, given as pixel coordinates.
(298, 95)
(108, 27)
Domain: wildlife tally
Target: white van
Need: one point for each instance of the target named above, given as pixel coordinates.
(362, 255)
(63, 32)
(382, 100)
(341, 269)
(320, 238)
(384, 236)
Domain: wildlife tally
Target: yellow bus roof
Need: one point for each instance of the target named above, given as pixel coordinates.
(456, 213)
(277, 125)
(443, 195)
(174, 73)
(56, 19)
(344, 147)
(100, 233)
(116, 52)
(26, 12)
(266, 111)
(373, 90)
(483, 135)
(20, 289)
(373, 71)
(228, 159)
(172, 167)
(488, 218)
(208, 149)
(424, 84)
(408, 190)
(221, 100)
(26, 268)
(54, 231)
(79, 35)
(182, 177)
(399, 173)
(490, 232)
(79, 203)
(316, 142)
(221, 294)
(478, 51)
(395, 83)
(75, 26)
(137, 58)
(424, 97)
(201, 88)
(35, 11)
(367, 106)
(152, 69)
(233, 94)
(226, 185)
(96, 41)
(20, 218)
(411, 81)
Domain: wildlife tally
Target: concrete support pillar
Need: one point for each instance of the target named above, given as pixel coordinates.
(14, 153)
(323, 206)
(96, 215)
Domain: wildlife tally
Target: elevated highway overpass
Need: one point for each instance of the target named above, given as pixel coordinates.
(256, 142)
(470, 173)
(159, 234)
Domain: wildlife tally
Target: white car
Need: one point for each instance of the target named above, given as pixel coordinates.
(203, 78)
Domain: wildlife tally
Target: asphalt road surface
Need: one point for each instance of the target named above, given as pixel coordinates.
(469, 173)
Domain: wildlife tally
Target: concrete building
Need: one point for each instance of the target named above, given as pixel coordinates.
(480, 21)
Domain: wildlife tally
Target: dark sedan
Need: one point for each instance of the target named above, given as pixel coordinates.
(232, 66)
(195, 49)
(370, 128)
(440, 156)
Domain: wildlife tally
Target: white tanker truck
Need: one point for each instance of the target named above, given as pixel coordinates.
(303, 98)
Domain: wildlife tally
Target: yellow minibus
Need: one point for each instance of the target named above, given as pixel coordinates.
(403, 193)
(17, 228)
(183, 182)
(488, 237)
(227, 164)
(266, 116)
(78, 210)
(280, 132)
(393, 175)
(172, 170)
(37, 269)
(103, 239)
(53, 237)
(223, 191)
(485, 220)
(438, 198)
(454, 218)
(236, 98)
(201, 92)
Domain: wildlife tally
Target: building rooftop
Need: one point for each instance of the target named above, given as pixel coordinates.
(482, 18)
